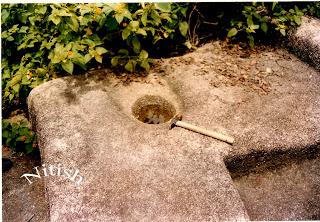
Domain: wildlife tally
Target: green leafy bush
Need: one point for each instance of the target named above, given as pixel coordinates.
(265, 17)
(16, 134)
(39, 40)
(313, 9)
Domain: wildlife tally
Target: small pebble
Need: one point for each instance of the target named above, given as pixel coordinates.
(269, 70)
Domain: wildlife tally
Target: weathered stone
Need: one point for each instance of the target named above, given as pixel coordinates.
(145, 172)
(305, 40)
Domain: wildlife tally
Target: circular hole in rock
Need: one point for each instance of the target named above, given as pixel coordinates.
(153, 110)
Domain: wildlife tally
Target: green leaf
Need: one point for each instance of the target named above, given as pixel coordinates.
(264, 27)
(28, 148)
(10, 38)
(129, 66)
(55, 19)
(101, 50)
(249, 21)
(25, 81)
(23, 29)
(63, 12)
(4, 15)
(166, 16)
(156, 17)
(134, 25)
(283, 32)
(14, 80)
(23, 131)
(127, 14)
(188, 44)
(251, 41)
(141, 32)
(163, 6)
(232, 32)
(114, 61)
(123, 52)
(87, 58)
(16, 88)
(68, 46)
(136, 45)
(297, 20)
(125, 33)
(74, 24)
(98, 58)
(145, 64)
(42, 10)
(255, 27)
(6, 75)
(5, 123)
(32, 20)
(80, 61)
(144, 17)
(274, 5)
(257, 15)
(247, 8)
(119, 17)
(264, 19)
(68, 66)
(183, 11)
(5, 133)
(183, 27)
(6, 94)
(143, 54)
(152, 30)
(41, 71)
(156, 39)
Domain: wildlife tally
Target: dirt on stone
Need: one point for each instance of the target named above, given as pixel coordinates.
(228, 65)
(233, 65)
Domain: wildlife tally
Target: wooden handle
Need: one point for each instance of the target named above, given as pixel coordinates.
(213, 134)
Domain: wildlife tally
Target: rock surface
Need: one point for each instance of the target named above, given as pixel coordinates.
(294, 189)
(132, 171)
(305, 40)
(23, 201)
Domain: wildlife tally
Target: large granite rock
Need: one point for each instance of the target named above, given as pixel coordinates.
(133, 171)
(305, 40)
